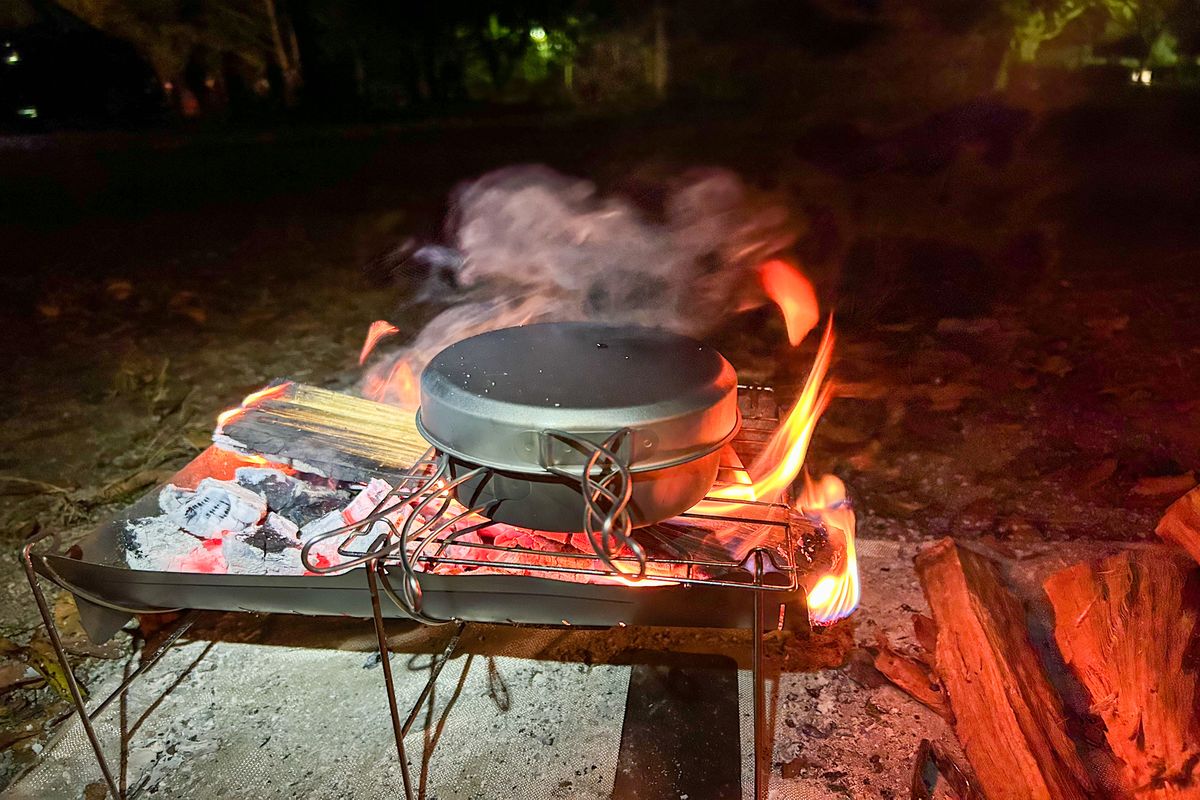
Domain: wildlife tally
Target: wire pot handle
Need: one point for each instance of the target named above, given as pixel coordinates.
(606, 484)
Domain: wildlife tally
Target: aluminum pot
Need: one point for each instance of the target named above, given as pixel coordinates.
(534, 404)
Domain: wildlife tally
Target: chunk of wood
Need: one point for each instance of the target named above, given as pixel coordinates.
(1007, 716)
(1181, 523)
(1127, 627)
(912, 676)
(329, 433)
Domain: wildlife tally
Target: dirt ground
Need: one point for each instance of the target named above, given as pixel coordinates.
(1017, 354)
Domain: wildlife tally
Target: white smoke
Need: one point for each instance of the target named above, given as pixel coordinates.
(539, 246)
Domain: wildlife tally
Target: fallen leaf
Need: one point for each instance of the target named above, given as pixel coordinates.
(1099, 473)
(74, 638)
(42, 658)
(1164, 485)
(1105, 327)
(1025, 381)
(1056, 365)
(981, 325)
(949, 396)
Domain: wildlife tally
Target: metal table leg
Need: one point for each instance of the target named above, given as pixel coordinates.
(86, 718)
(399, 729)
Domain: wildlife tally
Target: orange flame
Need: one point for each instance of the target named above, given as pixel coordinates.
(794, 295)
(837, 593)
(783, 457)
(399, 388)
(379, 329)
(250, 400)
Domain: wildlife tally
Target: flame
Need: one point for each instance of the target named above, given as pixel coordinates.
(793, 293)
(379, 329)
(249, 401)
(837, 593)
(783, 457)
(399, 388)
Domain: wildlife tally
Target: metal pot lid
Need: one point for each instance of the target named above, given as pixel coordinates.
(490, 398)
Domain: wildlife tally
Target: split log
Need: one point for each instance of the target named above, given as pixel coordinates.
(1007, 716)
(329, 433)
(912, 676)
(1127, 626)
(1181, 523)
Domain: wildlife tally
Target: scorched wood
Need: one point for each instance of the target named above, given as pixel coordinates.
(1127, 626)
(329, 433)
(1007, 716)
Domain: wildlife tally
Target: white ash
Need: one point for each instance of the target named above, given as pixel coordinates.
(151, 543)
(214, 506)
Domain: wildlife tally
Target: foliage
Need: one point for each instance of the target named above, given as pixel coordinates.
(169, 33)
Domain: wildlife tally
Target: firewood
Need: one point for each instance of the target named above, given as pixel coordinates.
(1007, 716)
(1181, 523)
(912, 676)
(1127, 627)
(316, 430)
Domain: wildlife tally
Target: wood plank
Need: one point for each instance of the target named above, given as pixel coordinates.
(1007, 716)
(316, 430)
(1127, 627)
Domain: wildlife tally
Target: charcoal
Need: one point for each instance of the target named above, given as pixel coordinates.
(274, 536)
(213, 507)
(279, 489)
(310, 507)
(367, 500)
(270, 549)
(152, 543)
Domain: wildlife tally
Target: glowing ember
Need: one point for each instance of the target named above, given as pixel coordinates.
(837, 593)
(794, 295)
(251, 400)
(380, 329)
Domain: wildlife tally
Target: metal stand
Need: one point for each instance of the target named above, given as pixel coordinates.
(400, 729)
(86, 718)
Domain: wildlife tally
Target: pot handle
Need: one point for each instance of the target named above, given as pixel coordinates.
(607, 487)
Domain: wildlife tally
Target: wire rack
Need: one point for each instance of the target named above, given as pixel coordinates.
(418, 527)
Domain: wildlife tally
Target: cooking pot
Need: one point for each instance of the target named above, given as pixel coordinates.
(569, 425)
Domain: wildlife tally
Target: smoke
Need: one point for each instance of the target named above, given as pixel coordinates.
(532, 245)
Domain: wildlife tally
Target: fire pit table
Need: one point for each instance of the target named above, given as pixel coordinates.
(760, 589)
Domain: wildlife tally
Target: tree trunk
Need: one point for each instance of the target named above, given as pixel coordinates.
(661, 52)
(289, 68)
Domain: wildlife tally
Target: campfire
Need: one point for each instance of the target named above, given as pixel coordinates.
(282, 514)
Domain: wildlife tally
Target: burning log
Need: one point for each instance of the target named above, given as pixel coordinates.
(1126, 626)
(318, 431)
(1181, 523)
(1007, 716)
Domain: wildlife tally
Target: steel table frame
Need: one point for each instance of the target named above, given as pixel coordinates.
(116, 784)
